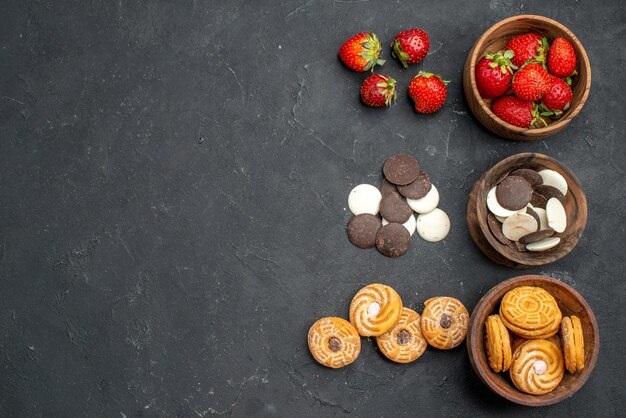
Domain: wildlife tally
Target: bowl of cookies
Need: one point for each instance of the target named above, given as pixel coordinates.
(528, 210)
(533, 340)
(526, 77)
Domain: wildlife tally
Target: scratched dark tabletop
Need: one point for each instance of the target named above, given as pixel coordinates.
(173, 203)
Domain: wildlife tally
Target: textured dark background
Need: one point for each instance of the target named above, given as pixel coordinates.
(173, 184)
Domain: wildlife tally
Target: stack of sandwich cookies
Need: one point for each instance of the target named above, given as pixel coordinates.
(534, 356)
(526, 209)
(402, 335)
(405, 189)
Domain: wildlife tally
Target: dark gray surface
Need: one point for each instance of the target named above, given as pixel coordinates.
(173, 184)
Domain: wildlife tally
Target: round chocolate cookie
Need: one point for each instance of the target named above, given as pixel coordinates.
(362, 230)
(534, 214)
(531, 176)
(401, 169)
(537, 236)
(386, 187)
(395, 209)
(514, 193)
(519, 246)
(393, 240)
(418, 188)
(496, 229)
(538, 201)
(549, 192)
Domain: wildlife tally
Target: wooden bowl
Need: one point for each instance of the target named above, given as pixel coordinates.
(570, 302)
(476, 214)
(494, 40)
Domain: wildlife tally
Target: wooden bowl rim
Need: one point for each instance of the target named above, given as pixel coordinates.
(538, 133)
(520, 257)
(499, 290)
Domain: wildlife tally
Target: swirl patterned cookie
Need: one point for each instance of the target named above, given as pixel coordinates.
(334, 342)
(537, 367)
(404, 343)
(375, 309)
(530, 312)
(497, 344)
(444, 322)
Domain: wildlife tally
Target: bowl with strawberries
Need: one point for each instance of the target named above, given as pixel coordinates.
(526, 77)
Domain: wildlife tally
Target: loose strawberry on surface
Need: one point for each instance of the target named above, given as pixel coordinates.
(378, 90)
(494, 73)
(517, 112)
(361, 52)
(410, 46)
(531, 82)
(528, 46)
(561, 58)
(428, 91)
(558, 99)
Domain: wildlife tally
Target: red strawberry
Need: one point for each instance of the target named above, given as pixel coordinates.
(557, 99)
(361, 52)
(516, 111)
(561, 58)
(410, 46)
(428, 91)
(494, 73)
(528, 46)
(531, 82)
(378, 90)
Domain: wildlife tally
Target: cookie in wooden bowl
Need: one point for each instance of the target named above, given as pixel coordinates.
(570, 303)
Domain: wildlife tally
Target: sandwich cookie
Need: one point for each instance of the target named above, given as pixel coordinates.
(573, 344)
(530, 312)
(497, 344)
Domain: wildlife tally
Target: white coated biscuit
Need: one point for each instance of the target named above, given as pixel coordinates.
(555, 212)
(544, 244)
(433, 226)
(554, 179)
(543, 219)
(364, 198)
(427, 203)
(518, 225)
